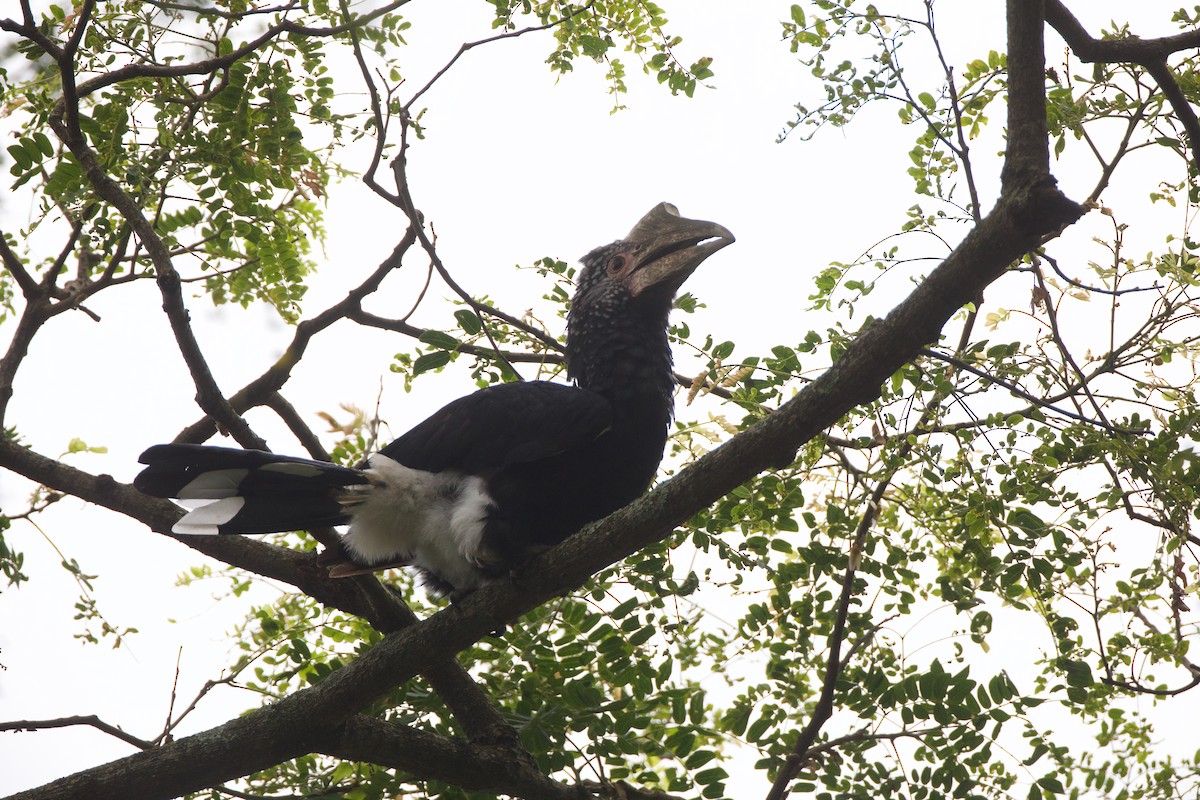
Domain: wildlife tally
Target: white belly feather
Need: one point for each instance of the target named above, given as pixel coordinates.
(432, 520)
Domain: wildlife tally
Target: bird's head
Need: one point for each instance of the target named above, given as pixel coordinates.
(617, 328)
(648, 266)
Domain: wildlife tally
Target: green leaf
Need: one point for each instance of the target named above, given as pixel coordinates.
(23, 159)
(696, 707)
(431, 361)
(711, 775)
(593, 46)
(642, 636)
(624, 608)
(1078, 673)
(735, 721)
(1051, 784)
(440, 340)
(469, 321)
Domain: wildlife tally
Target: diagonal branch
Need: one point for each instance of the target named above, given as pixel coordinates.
(12, 262)
(569, 13)
(298, 723)
(37, 310)
(1034, 400)
(823, 710)
(260, 390)
(550, 356)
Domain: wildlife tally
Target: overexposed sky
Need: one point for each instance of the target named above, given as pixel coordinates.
(517, 165)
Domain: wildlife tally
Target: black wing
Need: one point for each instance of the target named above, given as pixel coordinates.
(503, 425)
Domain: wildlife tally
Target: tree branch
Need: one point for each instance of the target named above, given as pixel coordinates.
(823, 710)
(64, 722)
(291, 726)
(1149, 53)
(554, 356)
(466, 46)
(1036, 401)
(64, 120)
(1027, 159)
(469, 766)
(262, 388)
(12, 262)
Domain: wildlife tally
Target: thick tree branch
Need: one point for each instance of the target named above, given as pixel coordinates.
(278, 563)
(1027, 158)
(37, 310)
(1017, 224)
(13, 264)
(470, 766)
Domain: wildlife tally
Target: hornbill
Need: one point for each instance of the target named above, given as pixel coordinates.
(493, 477)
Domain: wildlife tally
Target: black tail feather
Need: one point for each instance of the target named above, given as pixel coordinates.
(277, 493)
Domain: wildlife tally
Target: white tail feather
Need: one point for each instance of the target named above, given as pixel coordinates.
(207, 519)
(213, 485)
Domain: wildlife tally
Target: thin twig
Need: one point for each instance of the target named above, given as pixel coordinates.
(1053, 262)
(467, 46)
(958, 363)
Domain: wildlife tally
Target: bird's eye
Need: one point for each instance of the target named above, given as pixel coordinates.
(616, 263)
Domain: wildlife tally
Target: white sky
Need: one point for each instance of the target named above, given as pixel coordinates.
(516, 166)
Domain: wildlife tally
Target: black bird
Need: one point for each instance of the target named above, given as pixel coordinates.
(495, 476)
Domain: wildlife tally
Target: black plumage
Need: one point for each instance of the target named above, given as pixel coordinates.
(496, 475)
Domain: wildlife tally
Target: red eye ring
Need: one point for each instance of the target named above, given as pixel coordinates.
(617, 263)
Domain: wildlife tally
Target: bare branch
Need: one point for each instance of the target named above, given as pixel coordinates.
(377, 114)
(303, 433)
(66, 722)
(408, 329)
(467, 46)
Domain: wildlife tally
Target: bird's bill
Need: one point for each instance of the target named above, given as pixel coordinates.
(670, 247)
